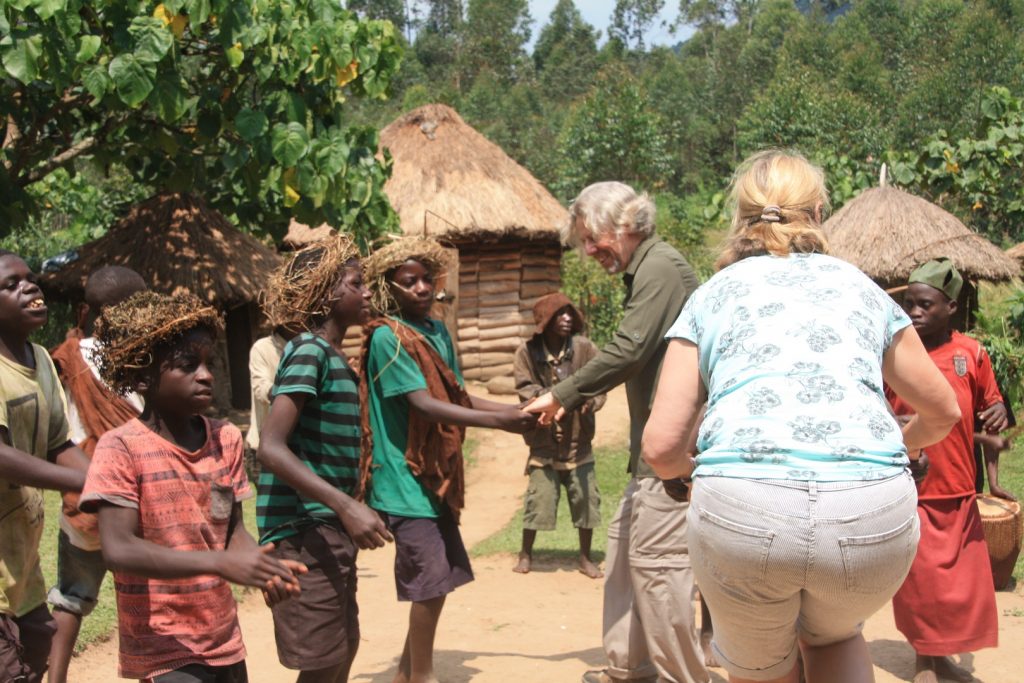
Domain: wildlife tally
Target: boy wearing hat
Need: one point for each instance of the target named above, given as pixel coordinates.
(947, 605)
(561, 454)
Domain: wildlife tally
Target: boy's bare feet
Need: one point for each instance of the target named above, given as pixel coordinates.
(710, 660)
(589, 569)
(523, 567)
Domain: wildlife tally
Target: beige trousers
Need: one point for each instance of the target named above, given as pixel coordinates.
(649, 624)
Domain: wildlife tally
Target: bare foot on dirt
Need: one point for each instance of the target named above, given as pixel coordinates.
(523, 567)
(945, 668)
(710, 660)
(589, 569)
(924, 670)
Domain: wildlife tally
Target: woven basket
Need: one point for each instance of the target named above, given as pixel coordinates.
(1003, 526)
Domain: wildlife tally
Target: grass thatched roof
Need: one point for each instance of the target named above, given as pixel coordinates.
(449, 180)
(887, 232)
(301, 235)
(176, 243)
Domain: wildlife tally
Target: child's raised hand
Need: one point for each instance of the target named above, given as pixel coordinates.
(364, 526)
(253, 566)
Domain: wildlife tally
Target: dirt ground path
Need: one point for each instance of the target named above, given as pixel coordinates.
(544, 627)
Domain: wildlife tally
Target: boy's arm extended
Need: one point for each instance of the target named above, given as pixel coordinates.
(21, 468)
(363, 524)
(506, 417)
(126, 551)
(991, 445)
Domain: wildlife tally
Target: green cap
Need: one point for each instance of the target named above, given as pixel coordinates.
(941, 274)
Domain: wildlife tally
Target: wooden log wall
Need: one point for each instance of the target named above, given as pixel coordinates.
(498, 285)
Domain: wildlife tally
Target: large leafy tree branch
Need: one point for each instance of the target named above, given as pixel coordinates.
(241, 101)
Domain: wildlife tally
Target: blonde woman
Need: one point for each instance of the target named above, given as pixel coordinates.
(802, 520)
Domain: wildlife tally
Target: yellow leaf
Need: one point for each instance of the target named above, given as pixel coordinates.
(163, 14)
(291, 195)
(952, 167)
(345, 76)
(978, 205)
(178, 25)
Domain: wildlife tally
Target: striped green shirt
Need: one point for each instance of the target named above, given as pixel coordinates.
(326, 437)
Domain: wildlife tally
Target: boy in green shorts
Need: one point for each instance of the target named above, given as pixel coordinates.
(414, 425)
(560, 454)
(35, 453)
(309, 451)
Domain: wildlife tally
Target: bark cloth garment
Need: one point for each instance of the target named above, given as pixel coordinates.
(433, 451)
(99, 411)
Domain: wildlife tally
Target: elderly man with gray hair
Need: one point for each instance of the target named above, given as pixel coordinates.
(649, 632)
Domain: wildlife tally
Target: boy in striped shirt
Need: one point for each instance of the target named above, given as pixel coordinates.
(309, 451)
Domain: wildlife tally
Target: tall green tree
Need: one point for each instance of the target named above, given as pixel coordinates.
(632, 19)
(565, 56)
(242, 101)
(398, 12)
(438, 44)
(494, 38)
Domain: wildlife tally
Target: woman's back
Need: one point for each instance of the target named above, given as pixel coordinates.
(791, 351)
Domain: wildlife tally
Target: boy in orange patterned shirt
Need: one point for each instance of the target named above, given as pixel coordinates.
(168, 487)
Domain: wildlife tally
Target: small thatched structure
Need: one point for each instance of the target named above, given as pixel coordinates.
(177, 243)
(887, 232)
(448, 181)
(301, 235)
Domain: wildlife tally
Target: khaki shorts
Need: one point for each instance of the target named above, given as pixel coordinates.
(540, 505)
(778, 560)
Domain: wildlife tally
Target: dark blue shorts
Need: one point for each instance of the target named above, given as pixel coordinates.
(430, 558)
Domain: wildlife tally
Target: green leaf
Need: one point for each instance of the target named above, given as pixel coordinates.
(235, 56)
(251, 124)
(22, 60)
(170, 100)
(88, 46)
(209, 123)
(96, 81)
(152, 38)
(47, 8)
(133, 80)
(198, 11)
(289, 143)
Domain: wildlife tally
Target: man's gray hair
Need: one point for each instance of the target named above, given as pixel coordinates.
(609, 207)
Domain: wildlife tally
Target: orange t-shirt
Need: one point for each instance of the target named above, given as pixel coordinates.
(968, 369)
(185, 502)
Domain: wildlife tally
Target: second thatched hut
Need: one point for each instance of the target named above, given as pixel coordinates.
(450, 182)
(887, 232)
(176, 242)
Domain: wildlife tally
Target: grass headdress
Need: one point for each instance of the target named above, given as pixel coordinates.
(299, 292)
(387, 258)
(130, 331)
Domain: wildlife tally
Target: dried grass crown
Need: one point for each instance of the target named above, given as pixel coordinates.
(130, 331)
(376, 266)
(299, 292)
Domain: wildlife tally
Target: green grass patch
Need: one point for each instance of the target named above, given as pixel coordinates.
(1011, 478)
(564, 541)
(98, 626)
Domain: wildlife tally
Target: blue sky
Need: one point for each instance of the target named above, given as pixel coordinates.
(598, 13)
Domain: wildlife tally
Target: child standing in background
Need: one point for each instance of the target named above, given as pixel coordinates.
(560, 454)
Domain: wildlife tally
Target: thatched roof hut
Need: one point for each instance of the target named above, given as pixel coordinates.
(887, 232)
(176, 242)
(451, 182)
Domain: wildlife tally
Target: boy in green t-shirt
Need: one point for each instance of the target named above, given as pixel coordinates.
(35, 453)
(309, 450)
(417, 411)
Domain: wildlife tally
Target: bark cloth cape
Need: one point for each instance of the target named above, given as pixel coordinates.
(433, 450)
(99, 410)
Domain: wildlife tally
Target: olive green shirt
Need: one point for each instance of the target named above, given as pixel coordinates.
(658, 282)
